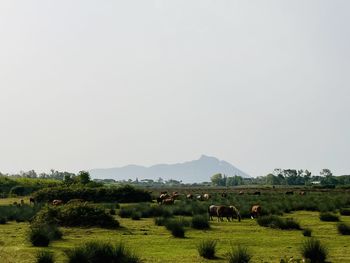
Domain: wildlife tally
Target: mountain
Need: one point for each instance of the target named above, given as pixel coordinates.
(188, 172)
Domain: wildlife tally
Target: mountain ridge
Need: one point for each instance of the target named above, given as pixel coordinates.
(199, 170)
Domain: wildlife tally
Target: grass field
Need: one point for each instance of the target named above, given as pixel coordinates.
(155, 244)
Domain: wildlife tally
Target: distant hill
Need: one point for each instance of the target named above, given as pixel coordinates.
(188, 172)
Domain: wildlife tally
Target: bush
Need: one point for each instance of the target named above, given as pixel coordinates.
(3, 220)
(44, 256)
(239, 255)
(307, 232)
(77, 214)
(160, 221)
(96, 252)
(39, 237)
(278, 222)
(136, 216)
(345, 211)
(329, 217)
(112, 212)
(19, 213)
(207, 248)
(124, 194)
(314, 251)
(343, 229)
(176, 228)
(200, 222)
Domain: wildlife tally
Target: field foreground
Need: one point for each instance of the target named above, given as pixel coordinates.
(155, 244)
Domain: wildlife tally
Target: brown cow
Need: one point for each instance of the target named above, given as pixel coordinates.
(241, 193)
(255, 211)
(257, 193)
(213, 211)
(189, 196)
(302, 193)
(57, 202)
(31, 200)
(229, 212)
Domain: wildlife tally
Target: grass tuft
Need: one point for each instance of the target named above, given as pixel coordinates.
(239, 254)
(329, 217)
(207, 249)
(44, 256)
(314, 251)
(343, 229)
(200, 222)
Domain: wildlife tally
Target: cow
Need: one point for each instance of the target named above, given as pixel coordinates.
(175, 195)
(206, 196)
(302, 193)
(255, 211)
(31, 200)
(164, 196)
(159, 200)
(163, 192)
(257, 193)
(168, 201)
(57, 202)
(241, 193)
(213, 211)
(199, 197)
(229, 212)
(22, 202)
(289, 193)
(224, 195)
(189, 196)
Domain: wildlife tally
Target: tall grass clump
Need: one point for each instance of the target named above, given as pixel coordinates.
(307, 232)
(96, 252)
(278, 222)
(207, 249)
(160, 221)
(314, 251)
(239, 254)
(200, 222)
(345, 211)
(329, 217)
(39, 237)
(343, 229)
(176, 228)
(44, 256)
(3, 220)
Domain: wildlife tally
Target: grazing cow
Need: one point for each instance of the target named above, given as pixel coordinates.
(163, 192)
(189, 196)
(213, 211)
(168, 201)
(257, 193)
(224, 195)
(229, 212)
(255, 211)
(57, 202)
(22, 202)
(31, 200)
(175, 196)
(164, 196)
(199, 197)
(302, 193)
(206, 196)
(159, 200)
(241, 193)
(15, 203)
(175, 193)
(289, 193)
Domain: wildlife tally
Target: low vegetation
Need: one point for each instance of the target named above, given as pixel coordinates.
(278, 222)
(176, 227)
(207, 249)
(345, 211)
(343, 228)
(239, 254)
(307, 232)
(329, 217)
(96, 252)
(44, 256)
(314, 251)
(200, 222)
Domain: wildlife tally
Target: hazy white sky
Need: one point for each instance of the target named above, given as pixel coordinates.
(261, 84)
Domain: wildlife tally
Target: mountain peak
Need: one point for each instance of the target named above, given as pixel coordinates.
(199, 170)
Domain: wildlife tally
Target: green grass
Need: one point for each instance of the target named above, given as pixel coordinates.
(156, 244)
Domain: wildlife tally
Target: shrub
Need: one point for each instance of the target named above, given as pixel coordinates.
(239, 255)
(329, 217)
(19, 213)
(343, 229)
(125, 212)
(95, 252)
(345, 211)
(44, 256)
(160, 221)
(3, 220)
(314, 251)
(176, 228)
(123, 194)
(307, 232)
(200, 222)
(39, 237)
(77, 214)
(112, 212)
(136, 216)
(207, 248)
(278, 222)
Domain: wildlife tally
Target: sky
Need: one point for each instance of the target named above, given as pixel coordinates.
(95, 84)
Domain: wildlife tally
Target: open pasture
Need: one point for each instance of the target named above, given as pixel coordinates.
(156, 244)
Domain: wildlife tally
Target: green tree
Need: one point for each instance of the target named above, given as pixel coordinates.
(83, 177)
